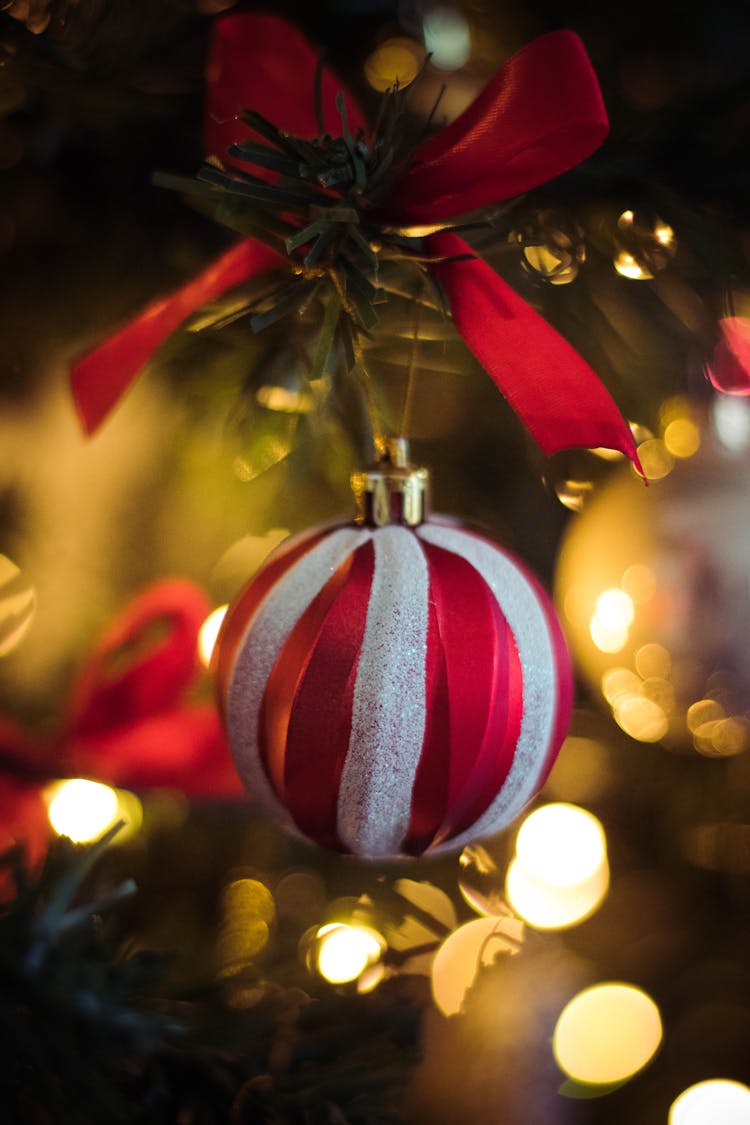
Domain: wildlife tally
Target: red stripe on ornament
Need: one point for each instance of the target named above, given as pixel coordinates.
(484, 687)
(239, 616)
(500, 740)
(315, 706)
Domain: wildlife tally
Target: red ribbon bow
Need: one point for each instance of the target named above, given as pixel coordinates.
(130, 723)
(538, 116)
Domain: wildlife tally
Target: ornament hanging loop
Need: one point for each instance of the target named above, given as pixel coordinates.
(393, 491)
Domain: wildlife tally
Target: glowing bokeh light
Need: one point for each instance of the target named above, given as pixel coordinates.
(344, 951)
(396, 62)
(545, 906)
(248, 911)
(208, 633)
(561, 844)
(447, 38)
(639, 583)
(682, 438)
(573, 493)
(462, 956)
(616, 683)
(719, 1101)
(560, 874)
(641, 718)
(731, 422)
(656, 459)
(610, 624)
(608, 638)
(653, 660)
(615, 608)
(82, 810)
(704, 711)
(663, 233)
(606, 1034)
(628, 266)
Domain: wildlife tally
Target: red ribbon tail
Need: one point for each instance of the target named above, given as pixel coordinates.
(555, 393)
(101, 377)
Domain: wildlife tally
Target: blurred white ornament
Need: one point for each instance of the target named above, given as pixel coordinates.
(654, 585)
(460, 959)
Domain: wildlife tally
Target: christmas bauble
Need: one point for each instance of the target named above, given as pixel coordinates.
(393, 685)
(654, 585)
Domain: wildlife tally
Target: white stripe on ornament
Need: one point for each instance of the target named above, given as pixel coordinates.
(259, 649)
(520, 605)
(388, 710)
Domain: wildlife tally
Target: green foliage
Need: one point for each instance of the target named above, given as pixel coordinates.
(90, 1033)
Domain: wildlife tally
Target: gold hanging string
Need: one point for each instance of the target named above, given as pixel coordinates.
(378, 433)
(411, 377)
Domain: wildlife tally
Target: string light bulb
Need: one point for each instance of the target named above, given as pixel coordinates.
(560, 873)
(606, 1034)
(82, 810)
(345, 951)
(719, 1100)
(208, 633)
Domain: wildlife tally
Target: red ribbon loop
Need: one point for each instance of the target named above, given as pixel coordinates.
(131, 722)
(539, 115)
(261, 62)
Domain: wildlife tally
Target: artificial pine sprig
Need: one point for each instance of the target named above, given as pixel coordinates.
(320, 209)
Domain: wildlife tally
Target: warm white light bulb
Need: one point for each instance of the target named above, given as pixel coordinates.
(560, 874)
(561, 844)
(82, 810)
(208, 633)
(716, 1102)
(607, 1033)
(346, 951)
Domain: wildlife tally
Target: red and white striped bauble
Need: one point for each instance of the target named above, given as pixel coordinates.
(392, 690)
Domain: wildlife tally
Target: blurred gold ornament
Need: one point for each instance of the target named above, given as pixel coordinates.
(645, 245)
(654, 585)
(552, 246)
(459, 961)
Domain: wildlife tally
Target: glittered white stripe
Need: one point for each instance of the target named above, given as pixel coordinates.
(388, 710)
(259, 648)
(525, 616)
